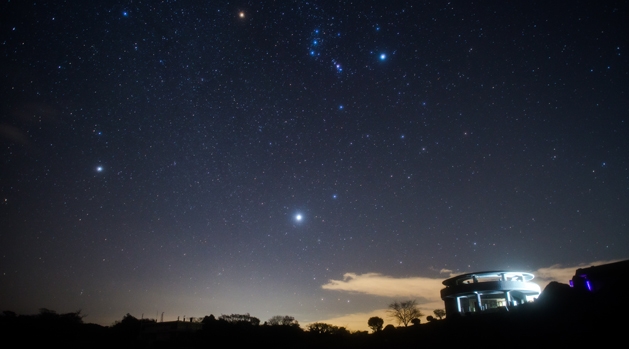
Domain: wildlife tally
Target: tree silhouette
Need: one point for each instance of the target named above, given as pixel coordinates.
(389, 328)
(279, 320)
(240, 319)
(74, 318)
(404, 312)
(208, 319)
(322, 328)
(130, 327)
(375, 323)
(440, 313)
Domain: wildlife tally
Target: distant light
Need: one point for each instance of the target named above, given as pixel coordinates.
(241, 15)
(299, 217)
(383, 57)
(99, 169)
(587, 283)
(125, 14)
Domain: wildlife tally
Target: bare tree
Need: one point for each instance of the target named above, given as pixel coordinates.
(404, 312)
(440, 313)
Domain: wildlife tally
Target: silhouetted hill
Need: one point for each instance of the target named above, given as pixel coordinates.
(562, 316)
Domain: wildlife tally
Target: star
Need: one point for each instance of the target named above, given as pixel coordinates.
(282, 136)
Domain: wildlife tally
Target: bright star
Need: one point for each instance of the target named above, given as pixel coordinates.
(298, 217)
(383, 57)
(99, 169)
(241, 15)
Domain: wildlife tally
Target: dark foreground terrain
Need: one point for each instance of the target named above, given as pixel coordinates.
(562, 316)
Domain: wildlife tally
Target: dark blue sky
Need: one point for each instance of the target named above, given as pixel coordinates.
(155, 156)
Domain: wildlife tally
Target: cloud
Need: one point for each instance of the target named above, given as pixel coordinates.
(427, 291)
(427, 288)
(560, 273)
(386, 286)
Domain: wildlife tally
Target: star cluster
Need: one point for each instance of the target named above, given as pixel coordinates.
(232, 157)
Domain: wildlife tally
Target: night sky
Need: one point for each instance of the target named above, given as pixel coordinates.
(215, 157)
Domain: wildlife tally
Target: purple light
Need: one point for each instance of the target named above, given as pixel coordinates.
(571, 283)
(587, 283)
